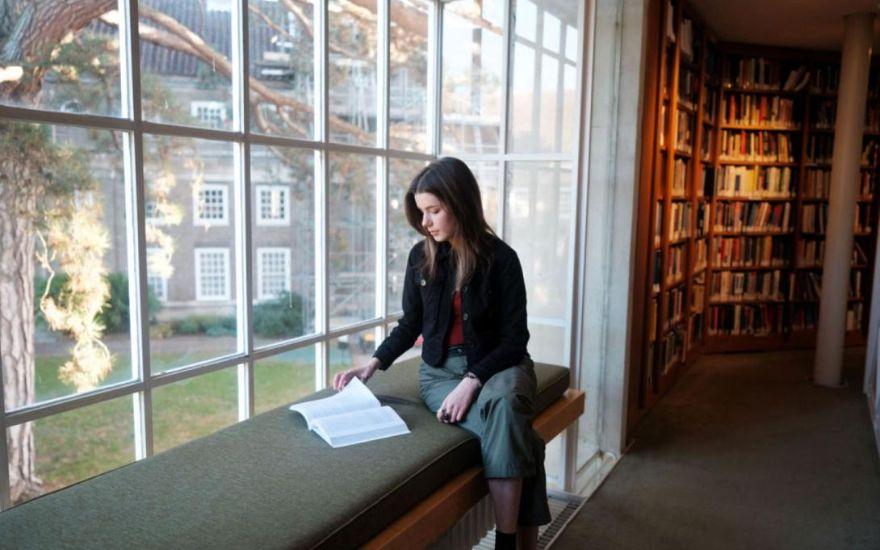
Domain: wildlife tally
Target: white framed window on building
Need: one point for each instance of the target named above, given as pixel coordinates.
(157, 283)
(212, 113)
(273, 205)
(211, 205)
(273, 272)
(212, 274)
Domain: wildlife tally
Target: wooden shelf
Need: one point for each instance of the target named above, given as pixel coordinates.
(752, 233)
(651, 345)
(735, 90)
(742, 268)
(727, 162)
(755, 199)
(758, 127)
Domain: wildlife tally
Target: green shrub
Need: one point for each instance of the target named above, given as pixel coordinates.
(187, 326)
(282, 316)
(210, 325)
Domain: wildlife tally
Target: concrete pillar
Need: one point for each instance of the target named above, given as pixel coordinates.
(855, 63)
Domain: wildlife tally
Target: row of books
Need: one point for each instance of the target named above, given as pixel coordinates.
(680, 221)
(733, 286)
(756, 146)
(820, 150)
(679, 177)
(672, 349)
(825, 79)
(674, 305)
(814, 218)
(811, 253)
(684, 132)
(687, 88)
(754, 182)
(808, 285)
(698, 293)
(675, 263)
(822, 114)
(806, 316)
(702, 219)
(766, 251)
(766, 319)
(753, 217)
(709, 97)
(759, 110)
(745, 319)
(758, 73)
(816, 183)
(700, 258)
(695, 330)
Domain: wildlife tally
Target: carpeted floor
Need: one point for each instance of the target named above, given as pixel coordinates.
(744, 452)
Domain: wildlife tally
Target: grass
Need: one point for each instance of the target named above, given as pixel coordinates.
(85, 442)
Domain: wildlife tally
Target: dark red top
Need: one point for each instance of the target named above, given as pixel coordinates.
(455, 336)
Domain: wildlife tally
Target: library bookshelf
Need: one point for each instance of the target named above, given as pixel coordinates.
(736, 159)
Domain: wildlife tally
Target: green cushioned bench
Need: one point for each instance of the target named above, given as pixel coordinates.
(266, 482)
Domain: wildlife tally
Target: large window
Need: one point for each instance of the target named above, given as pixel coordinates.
(196, 236)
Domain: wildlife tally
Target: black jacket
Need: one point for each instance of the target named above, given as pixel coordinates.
(493, 312)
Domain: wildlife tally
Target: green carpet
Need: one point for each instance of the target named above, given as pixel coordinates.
(744, 452)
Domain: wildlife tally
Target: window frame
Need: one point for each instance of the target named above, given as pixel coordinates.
(198, 208)
(258, 207)
(262, 253)
(238, 205)
(198, 254)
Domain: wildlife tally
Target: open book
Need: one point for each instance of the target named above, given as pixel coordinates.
(352, 416)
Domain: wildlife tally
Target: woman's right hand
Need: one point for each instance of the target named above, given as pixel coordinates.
(364, 372)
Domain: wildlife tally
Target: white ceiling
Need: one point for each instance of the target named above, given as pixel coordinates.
(810, 24)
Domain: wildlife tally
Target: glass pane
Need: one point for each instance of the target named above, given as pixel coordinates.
(282, 379)
(401, 236)
(538, 227)
(543, 84)
(283, 206)
(408, 94)
(185, 50)
(193, 408)
(57, 60)
(352, 350)
(70, 447)
(415, 351)
(282, 67)
(472, 61)
(352, 72)
(64, 288)
(488, 176)
(190, 191)
(351, 240)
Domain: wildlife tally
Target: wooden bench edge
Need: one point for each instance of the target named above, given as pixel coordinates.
(432, 517)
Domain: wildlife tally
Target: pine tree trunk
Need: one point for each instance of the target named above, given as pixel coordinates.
(17, 207)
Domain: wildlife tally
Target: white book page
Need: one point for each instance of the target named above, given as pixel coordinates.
(355, 396)
(360, 426)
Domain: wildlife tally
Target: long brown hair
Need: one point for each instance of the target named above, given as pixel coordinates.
(451, 181)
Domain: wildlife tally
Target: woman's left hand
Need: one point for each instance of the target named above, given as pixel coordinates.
(458, 401)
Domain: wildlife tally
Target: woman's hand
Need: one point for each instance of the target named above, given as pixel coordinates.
(458, 401)
(364, 372)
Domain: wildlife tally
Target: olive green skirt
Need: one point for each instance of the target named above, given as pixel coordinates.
(501, 417)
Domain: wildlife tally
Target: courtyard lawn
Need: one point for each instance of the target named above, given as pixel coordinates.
(82, 443)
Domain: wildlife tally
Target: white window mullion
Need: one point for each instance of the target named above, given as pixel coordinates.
(381, 251)
(322, 133)
(133, 147)
(435, 77)
(243, 208)
(383, 73)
